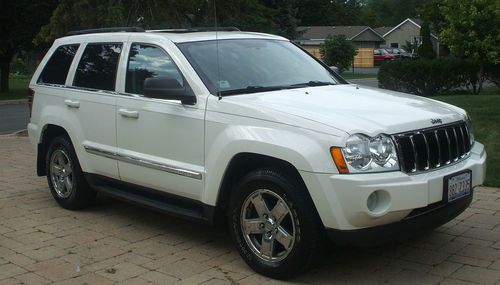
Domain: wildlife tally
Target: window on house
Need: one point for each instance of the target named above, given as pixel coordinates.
(394, 45)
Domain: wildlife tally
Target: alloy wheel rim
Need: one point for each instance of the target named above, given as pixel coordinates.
(61, 173)
(268, 225)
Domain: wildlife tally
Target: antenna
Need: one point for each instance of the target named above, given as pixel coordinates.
(217, 49)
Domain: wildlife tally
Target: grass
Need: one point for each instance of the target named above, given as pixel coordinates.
(18, 88)
(485, 113)
(487, 90)
(350, 75)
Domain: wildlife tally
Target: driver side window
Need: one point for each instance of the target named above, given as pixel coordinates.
(146, 61)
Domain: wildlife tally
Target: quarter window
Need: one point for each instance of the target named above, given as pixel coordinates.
(146, 61)
(98, 65)
(56, 69)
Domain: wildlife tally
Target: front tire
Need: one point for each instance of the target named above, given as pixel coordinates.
(65, 177)
(274, 224)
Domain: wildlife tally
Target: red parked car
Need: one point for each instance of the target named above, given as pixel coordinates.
(381, 55)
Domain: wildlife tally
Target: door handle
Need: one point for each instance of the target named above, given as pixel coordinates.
(128, 113)
(72, 104)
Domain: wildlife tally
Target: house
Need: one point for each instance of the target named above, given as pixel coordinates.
(406, 31)
(362, 36)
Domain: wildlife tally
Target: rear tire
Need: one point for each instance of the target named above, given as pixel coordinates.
(65, 177)
(274, 224)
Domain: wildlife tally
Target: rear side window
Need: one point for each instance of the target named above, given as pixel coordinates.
(56, 69)
(147, 61)
(97, 67)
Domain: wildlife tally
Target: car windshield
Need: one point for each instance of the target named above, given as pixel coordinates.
(383, 51)
(402, 50)
(254, 65)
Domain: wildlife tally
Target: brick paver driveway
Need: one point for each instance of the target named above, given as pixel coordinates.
(117, 242)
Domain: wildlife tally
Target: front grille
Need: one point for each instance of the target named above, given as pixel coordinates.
(432, 148)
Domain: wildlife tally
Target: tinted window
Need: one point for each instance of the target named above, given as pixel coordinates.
(245, 64)
(97, 67)
(147, 61)
(56, 69)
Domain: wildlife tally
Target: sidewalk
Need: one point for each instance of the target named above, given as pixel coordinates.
(114, 242)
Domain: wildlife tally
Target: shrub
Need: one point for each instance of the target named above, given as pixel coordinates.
(338, 51)
(428, 77)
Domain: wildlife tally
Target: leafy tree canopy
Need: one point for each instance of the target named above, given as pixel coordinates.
(473, 31)
(20, 21)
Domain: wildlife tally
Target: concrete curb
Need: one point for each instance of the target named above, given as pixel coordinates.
(20, 133)
(12, 102)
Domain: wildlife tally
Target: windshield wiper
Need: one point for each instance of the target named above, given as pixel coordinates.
(251, 89)
(314, 83)
(257, 89)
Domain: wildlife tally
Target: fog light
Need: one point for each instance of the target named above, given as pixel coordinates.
(372, 201)
(378, 202)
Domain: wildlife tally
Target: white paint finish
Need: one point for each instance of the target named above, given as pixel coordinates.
(298, 126)
(165, 130)
(341, 199)
(347, 108)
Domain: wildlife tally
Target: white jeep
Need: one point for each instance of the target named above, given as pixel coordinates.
(251, 128)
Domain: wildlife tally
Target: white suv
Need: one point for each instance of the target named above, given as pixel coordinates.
(251, 128)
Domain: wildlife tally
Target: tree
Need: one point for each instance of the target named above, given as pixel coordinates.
(473, 31)
(20, 21)
(338, 51)
(255, 15)
(329, 12)
(425, 50)
(378, 13)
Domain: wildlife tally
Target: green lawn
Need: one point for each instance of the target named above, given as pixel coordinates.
(18, 88)
(485, 113)
(350, 75)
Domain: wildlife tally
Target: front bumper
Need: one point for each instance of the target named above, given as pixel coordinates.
(424, 219)
(341, 200)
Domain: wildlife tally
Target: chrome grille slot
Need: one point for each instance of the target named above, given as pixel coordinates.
(432, 148)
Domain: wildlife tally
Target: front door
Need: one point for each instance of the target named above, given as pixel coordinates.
(160, 142)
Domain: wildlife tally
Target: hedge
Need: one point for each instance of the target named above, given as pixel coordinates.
(428, 77)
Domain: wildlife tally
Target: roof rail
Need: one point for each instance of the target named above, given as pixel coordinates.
(196, 29)
(105, 30)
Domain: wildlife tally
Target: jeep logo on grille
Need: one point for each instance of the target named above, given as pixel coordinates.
(436, 121)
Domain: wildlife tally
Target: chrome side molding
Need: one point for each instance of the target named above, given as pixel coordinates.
(143, 162)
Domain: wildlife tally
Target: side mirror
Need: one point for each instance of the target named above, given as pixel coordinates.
(168, 88)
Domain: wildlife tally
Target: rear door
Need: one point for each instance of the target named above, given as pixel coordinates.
(91, 98)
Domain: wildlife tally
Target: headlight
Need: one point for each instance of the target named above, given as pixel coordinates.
(381, 149)
(357, 151)
(468, 122)
(366, 154)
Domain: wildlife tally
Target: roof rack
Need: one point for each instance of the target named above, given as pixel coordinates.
(106, 30)
(196, 29)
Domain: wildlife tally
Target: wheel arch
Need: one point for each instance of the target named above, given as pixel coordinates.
(245, 162)
(48, 133)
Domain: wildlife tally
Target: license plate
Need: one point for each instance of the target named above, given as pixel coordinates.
(458, 185)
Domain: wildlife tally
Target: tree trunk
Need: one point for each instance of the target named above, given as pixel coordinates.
(481, 78)
(4, 76)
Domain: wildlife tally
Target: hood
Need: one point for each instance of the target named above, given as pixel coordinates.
(346, 107)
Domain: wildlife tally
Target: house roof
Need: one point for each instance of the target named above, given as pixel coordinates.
(351, 32)
(414, 21)
(383, 30)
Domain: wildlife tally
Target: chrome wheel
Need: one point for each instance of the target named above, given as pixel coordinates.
(61, 173)
(268, 225)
